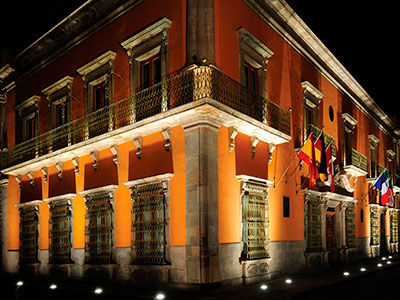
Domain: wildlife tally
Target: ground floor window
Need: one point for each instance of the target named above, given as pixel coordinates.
(99, 227)
(60, 231)
(148, 224)
(255, 221)
(29, 233)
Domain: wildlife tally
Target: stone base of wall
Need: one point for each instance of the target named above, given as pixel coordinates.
(350, 255)
(256, 270)
(315, 260)
(286, 257)
(363, 246)
(10, 261)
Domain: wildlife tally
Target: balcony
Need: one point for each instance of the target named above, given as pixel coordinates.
(356, 164)
(219, 97)
(328, 138)
(374, 171)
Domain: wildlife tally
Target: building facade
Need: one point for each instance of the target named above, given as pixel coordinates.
(147, 140)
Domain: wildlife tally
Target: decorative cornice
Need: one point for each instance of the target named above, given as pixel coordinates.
(150, 179)
(146, 34)
(34, 100)
(347, 117)
(255, 44)
(373, 140)
(69, 196)
(102, 189)
(5, 71)
(89, 18)
(58, 85)
(309, 89)
(103, 59)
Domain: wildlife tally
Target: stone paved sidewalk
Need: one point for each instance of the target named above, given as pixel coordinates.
(277, 288)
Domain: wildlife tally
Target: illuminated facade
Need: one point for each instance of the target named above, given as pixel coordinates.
(154, 140)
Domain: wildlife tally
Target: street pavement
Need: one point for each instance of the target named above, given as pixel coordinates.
(376, 282)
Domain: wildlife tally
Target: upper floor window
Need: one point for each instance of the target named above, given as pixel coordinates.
(148, 59)
(253, 59)
(98, 81)
(311, 99)
(373, 163)
(28, 115)
(150, 71)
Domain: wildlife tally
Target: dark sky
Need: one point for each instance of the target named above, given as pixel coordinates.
(361, 35)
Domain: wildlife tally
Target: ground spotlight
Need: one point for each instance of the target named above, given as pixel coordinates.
(53, 286)
(346, 273)
(388, 262)
(20, 283)
(379, 265)
(288, 281)
(363, 269)
(160, 296)
(264, 287)
(98, 291)
(390, 257)
(383, 258)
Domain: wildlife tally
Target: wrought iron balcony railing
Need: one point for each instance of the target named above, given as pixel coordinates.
(187, 86)
(356, 159)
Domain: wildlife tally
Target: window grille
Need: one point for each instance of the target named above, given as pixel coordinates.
(60, 232)
(99, 229)
(350, 226)
(148, 224)
(29, 234)
(255, 223)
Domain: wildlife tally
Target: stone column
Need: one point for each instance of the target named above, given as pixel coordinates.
(200, 33)
(202, 244)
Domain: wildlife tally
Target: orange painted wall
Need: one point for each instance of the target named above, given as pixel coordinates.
(155, 159)
(228, 189)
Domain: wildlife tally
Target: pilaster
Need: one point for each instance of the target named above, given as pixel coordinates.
(202, 244)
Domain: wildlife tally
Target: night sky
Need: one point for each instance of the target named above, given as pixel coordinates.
(361, 35)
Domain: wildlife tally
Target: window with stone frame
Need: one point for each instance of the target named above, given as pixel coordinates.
(148, 59)
(311, 99)
(255, 220)
(59, 96)
(150, 219)
(349, 125)
(391, 164)
(350, 226)
(29, 232)
(60, 231)
(98, 78)
(373, 165)
(28, 113)
(100, 220)
(394, 227)
(253, 59)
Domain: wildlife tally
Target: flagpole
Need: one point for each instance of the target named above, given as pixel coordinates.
(287, 168)
(362, 199)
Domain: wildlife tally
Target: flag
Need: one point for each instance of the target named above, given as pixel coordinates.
(391, 194)
(320, 156)
(307, 154)
(383, 185)
(388, 197)
(329, 167)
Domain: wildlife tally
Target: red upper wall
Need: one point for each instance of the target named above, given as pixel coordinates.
(108, 38)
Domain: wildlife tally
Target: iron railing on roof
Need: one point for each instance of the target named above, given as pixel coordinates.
(187, 86)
